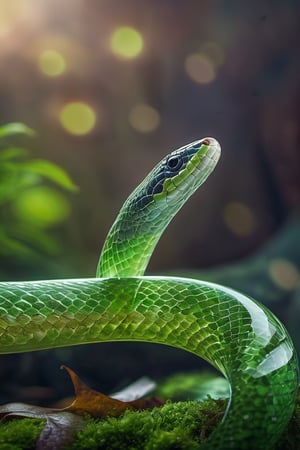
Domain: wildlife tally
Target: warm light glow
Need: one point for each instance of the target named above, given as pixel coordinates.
(144, 118)
(52, 63)
(42, 205)
(126, 42)
(284, 273)
(239, 218)
(78, 118)
(199, 68)
(10, 12)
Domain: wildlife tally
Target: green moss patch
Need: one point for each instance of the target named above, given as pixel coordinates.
(172, 426)
(20, 434)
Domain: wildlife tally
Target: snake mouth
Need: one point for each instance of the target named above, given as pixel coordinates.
(209, 157)
(213, 150)
(179, 188)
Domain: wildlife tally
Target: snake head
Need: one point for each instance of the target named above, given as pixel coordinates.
(177, 176)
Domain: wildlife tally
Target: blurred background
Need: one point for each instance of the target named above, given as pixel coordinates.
(110, 87)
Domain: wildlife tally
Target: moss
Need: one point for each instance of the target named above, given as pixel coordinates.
(178, 426)
(20, 434)
(172, 426)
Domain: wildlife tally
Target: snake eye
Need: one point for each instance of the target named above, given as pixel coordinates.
(174, 163)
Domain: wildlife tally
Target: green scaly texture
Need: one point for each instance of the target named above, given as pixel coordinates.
(235, 334)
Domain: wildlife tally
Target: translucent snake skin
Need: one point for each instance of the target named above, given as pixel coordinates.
(237, 335)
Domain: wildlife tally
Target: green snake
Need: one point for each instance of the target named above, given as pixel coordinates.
(237, 335)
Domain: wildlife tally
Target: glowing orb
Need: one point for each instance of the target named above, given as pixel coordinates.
(78, 118)
(144, 118)
(52, 63)
(126, 42)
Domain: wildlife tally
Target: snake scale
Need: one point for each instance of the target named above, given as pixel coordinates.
(237, 335)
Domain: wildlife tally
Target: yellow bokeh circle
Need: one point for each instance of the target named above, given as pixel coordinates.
(239, 218)
(52, 63)
(77, 118)
(199, 68)
(126, 42)
(284, 273)
(144, 118)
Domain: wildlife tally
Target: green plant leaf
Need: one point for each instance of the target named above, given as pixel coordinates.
(13, 152)
(22, 235)
(13, 247)
(14, 128)
(51, 171)
(39, 239)
(13, 181)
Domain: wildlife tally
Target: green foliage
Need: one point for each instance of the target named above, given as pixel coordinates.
(28, 208)
(195, 386)
(172, 426)
(12, 129)
(20, 434)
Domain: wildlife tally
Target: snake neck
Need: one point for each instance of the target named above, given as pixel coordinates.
(129, 244)
(136, 231)
(152, 205)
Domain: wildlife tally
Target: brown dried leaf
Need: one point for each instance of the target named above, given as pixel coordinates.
(62, 424)
(89, 401)
(60, 427)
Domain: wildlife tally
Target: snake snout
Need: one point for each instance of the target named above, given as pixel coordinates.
(214, 148)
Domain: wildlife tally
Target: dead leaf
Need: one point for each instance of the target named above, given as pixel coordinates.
(60, 427)
(63, 424)
(98, 405)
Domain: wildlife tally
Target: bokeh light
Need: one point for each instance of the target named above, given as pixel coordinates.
(199, 68)
(52, 63)
(78, 118)
(239, 218)
(42, 206)
(126, 42)
(144, 118)
(10, 13)
(284, 274)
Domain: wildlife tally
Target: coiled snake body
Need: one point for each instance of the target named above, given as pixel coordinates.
(235, 334)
